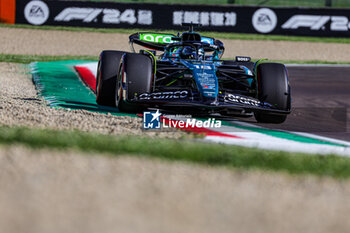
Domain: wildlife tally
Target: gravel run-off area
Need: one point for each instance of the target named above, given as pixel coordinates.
(68, 191)
(20, 105)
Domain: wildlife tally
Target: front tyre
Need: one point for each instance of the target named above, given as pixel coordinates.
(135, 77)
(273, 88)
(107, 72)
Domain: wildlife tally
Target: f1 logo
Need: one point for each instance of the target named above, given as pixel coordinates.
(151, 120)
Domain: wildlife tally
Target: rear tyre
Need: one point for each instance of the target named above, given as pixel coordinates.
(273, 88)
(135, 78)
(107, 72)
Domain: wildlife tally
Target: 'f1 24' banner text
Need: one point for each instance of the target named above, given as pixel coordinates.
(282, 21)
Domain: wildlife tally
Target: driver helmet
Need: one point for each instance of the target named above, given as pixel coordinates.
(188, 52)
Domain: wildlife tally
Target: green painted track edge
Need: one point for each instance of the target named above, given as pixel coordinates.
(68, 79)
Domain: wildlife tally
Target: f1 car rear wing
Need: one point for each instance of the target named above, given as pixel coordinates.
(158, 41)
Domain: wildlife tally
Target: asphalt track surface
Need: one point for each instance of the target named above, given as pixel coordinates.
(320, 101)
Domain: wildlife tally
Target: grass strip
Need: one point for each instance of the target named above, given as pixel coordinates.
(180, 150)
(26, 59)
(221, 35)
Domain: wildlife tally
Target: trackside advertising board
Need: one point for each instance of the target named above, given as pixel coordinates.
(227, 18)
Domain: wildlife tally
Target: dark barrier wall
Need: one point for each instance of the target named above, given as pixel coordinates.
(282, 21)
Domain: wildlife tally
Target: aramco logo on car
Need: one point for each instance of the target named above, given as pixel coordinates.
(153, 120)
